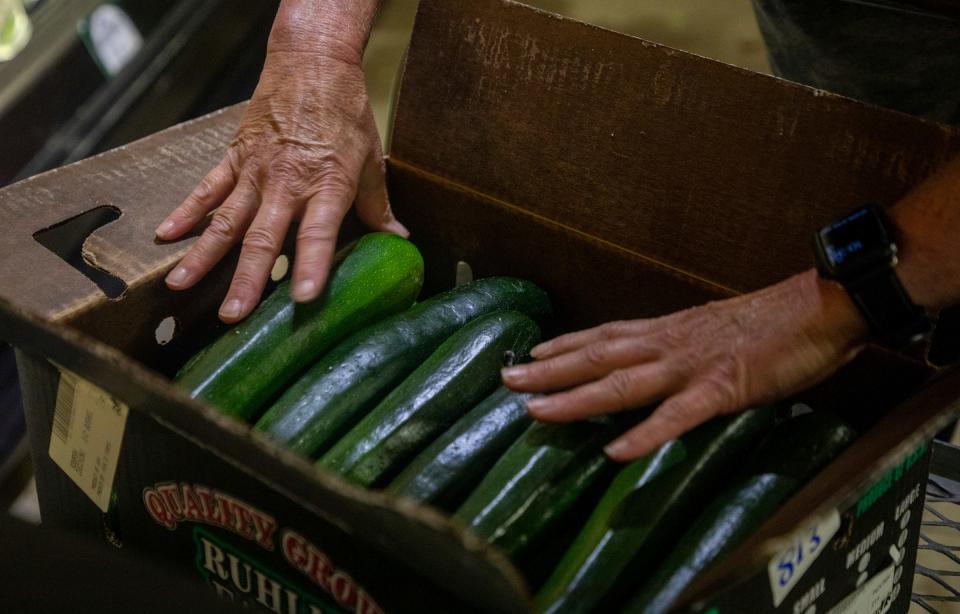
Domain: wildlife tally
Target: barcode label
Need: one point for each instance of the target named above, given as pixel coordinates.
(874, 597)
(88, 427)
(63, 410)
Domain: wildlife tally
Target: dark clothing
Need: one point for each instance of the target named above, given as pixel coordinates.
(896, 58)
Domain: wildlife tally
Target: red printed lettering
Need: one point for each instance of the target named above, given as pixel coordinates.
(157, 509)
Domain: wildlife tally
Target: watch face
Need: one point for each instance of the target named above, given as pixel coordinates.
(856, 243)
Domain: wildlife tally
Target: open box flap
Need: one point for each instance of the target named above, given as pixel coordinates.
(703, 167)
(152, 176)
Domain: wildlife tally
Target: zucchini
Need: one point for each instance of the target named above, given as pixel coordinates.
(252, 361)
(791, 454)
(460, 373)
(344, 385)
(726, 523)
(640, 518)
(575, 577)
(801, 446)
(451, 466)
(520, 497)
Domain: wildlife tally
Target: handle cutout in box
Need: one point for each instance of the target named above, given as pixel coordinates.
(66, 240)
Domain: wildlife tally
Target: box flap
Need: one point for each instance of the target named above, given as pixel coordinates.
(154, 174)
(700, 166)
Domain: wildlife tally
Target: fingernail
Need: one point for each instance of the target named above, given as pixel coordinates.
(538, 350)
(511, 373)
(178, 276)
(617, 449)
(536, 406)
(164, 229)
(231, 309)
(305, 291)
(397, 228)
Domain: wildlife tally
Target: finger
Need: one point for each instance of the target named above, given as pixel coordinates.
(612, 330)
(261, 246)
(673, 418)
(209, 193)
(226, 228)
(317, 241)
(622, 389)
(574, 341)
(586, 364)
(373, 204)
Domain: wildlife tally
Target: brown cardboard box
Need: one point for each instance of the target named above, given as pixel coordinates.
(626, 178)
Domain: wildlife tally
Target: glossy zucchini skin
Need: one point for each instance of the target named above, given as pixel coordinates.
(573, 584)
(626, 540)
(545, 458)
(243, 369)
(801, 446)
(551, 504)
(790, 455)
(454, 463)
(347, 382)
(456, 376)
(725, 524)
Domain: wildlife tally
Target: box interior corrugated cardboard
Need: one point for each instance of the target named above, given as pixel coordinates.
(627, 179)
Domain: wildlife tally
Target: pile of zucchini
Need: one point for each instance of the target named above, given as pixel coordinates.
(405, 397)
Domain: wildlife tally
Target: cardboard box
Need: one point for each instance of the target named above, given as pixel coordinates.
(626, 178)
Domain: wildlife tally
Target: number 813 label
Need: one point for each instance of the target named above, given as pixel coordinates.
(786, 568)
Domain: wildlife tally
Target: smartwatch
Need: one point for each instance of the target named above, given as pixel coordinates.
(859, 252)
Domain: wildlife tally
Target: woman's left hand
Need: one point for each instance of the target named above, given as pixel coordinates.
(714, 359)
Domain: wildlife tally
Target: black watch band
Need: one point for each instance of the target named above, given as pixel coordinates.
(893, 317)
(860, 253)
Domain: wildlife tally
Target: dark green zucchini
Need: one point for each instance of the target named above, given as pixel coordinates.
(801, 446)
(642, 519)
(726, 523)
(451, 466)
(255, 359)
(344, 385)
(791, 454)
(575, 577)
(514, 502)
(460, 373)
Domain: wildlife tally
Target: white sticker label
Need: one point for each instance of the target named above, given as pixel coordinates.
(87, 432)
(874, 597)
(786, 569)
(114, 37)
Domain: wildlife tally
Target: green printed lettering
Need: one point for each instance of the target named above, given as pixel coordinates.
(217, 561)
(893, 476)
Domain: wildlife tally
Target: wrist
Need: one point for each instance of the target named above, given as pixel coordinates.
(337, 29)
(831, 313)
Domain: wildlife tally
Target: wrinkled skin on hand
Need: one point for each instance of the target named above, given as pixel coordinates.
(306, 149)
(713, 359)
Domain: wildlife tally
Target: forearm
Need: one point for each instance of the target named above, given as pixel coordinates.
(340, 27)
(928, 226)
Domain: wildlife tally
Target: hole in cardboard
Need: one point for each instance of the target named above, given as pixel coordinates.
(167, 329)
(66, 240)
(280, 268)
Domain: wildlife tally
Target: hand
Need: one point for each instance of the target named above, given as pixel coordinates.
(306, 148)
(714, 359)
